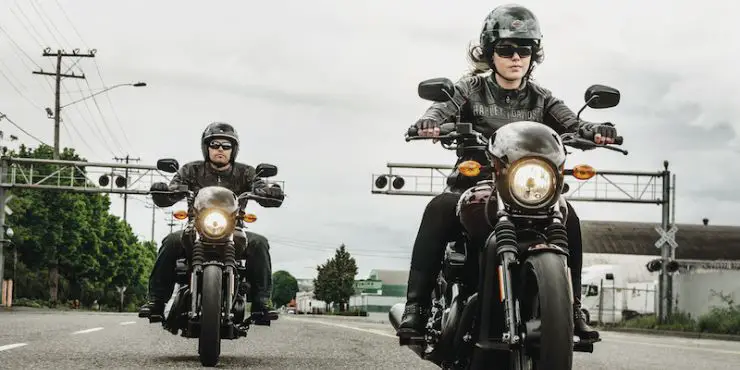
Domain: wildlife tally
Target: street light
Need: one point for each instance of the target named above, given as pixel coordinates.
(136, 84)
(57, 113)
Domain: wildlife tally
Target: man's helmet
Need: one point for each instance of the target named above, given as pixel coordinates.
(511, 21)
(219, 130)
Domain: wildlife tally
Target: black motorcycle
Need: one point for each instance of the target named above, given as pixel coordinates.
(504, 297)
(211, 271)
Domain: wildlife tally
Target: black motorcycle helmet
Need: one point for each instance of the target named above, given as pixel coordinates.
(219, 130)
(515, 22)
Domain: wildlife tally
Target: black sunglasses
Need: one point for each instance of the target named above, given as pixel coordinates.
(216, 145)
(507, 51)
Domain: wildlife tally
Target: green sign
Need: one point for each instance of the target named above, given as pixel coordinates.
(368, 284)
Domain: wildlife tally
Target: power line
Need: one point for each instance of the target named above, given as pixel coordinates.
(5, 116)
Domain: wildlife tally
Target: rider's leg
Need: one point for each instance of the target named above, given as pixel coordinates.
(573, 226)
(162, 278)
(439, 225)
(259, 270)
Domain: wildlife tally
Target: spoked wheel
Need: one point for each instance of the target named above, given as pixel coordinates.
(547, 312)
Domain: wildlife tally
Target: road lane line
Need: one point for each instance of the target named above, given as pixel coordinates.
(128, 323)
(606, 340)
(88, 330)
(11, 346)
(372, 331)
(673, 346)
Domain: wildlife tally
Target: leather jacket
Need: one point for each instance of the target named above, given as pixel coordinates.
(488, 106)
(198, 174)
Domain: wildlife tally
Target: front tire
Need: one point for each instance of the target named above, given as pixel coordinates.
(546, 298)
(209, 342)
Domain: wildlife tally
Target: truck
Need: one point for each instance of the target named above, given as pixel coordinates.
(609, 296)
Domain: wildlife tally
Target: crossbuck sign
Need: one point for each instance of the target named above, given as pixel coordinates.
(666, 237)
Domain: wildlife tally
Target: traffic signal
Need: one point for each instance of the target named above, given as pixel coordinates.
(104, 180)
(382, 181)
(657, 265)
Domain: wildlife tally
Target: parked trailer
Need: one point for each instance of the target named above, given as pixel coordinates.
(608, 297)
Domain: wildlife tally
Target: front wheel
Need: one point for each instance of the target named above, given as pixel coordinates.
(547, 306)
(209, 342)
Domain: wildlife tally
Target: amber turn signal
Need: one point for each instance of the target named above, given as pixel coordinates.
(469, 168)
(583, 172)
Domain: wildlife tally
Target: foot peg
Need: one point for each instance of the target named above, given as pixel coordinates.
(585, 345)
(411, 341)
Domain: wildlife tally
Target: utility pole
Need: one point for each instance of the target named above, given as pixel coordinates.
(153, 207)
(171, 221)
(58, 75)
(125, 176)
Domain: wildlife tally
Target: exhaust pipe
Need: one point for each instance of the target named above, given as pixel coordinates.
(395, 316)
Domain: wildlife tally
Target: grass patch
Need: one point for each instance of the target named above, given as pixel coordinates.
(720, 320)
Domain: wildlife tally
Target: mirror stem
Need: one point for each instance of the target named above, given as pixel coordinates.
(578, 116)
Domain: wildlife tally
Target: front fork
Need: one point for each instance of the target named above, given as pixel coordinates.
(230, 271)
(506, 248)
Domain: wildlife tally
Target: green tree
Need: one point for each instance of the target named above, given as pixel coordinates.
(71, 241)
(335, 280)
(284, 288)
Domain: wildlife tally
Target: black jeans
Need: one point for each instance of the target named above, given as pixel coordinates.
(440, 225)
(259, 267)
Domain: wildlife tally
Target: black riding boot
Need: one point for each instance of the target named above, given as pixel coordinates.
(573, 229)
(153, 309)
(580, 326)
(418, 301)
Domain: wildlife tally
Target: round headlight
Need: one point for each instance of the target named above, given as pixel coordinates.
(532, 182)
(215, 224)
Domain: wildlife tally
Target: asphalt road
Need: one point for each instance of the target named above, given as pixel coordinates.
(78, 340)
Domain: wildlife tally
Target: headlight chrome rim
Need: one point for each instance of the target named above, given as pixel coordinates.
(550, 185)
(215, 232)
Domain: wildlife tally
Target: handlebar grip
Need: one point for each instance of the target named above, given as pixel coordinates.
(413, 131)
(590, 134)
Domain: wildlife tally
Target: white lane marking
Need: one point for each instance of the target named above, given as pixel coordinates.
(88, 330)
(128, 323)
(11, 346)
(607, 340)
(673, 346)
(372, 331)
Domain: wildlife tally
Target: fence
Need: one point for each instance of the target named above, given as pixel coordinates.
(613, 304)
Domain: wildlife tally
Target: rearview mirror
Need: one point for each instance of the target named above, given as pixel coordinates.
(266, 170)
(601, 97)
(436, 89)
(168, 165)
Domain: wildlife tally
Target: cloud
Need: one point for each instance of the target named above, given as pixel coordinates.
(325, 90)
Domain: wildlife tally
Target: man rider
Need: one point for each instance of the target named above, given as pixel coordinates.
(510, 46)
(220, 146)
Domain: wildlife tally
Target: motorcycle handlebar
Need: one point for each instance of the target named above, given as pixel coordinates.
(585, 141)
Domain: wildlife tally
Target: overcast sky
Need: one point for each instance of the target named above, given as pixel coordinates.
(326, 89)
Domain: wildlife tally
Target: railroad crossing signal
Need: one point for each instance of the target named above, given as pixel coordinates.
(666, 237)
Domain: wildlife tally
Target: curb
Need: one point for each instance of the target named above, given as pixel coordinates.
(680, 334)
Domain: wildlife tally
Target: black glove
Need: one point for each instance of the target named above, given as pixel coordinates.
(605, 130)
(274, 192)
(159, 186)
(425, 124)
